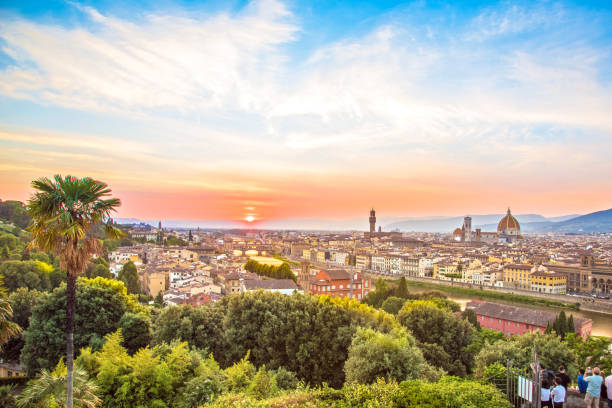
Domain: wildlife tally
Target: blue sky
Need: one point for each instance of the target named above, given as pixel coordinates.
(296, 109)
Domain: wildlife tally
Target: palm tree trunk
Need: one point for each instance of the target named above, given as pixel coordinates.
(70, 308)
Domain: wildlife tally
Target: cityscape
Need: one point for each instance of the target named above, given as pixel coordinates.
(282, 203)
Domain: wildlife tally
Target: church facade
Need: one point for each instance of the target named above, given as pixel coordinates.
(508, 230)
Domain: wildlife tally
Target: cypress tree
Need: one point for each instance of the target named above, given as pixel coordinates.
(402, 289)
(562, 324)
(549, 329)
(570, 325)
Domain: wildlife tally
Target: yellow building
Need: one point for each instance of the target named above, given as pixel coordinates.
(441, 269)
(548, 282)
(517, 276)
(155, 282)
(11, 370)
(306, 253)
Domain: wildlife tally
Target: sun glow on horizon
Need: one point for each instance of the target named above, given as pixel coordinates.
(249, 218)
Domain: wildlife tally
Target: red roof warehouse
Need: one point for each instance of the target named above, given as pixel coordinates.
(512, 320)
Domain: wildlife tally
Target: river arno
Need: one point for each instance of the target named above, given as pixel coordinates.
(602, 323)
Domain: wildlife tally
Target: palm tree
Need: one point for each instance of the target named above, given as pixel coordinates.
(8, 328)
(51, 386)
(64, 212)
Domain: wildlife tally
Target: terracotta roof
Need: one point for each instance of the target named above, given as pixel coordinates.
(338, 274)
(508, 222)
(518, 314)
(270, 284)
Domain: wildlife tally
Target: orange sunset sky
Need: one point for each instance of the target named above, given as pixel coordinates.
(282, 110)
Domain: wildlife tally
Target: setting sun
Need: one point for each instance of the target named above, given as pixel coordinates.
(250, 218)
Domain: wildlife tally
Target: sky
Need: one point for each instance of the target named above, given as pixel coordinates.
(271, 110)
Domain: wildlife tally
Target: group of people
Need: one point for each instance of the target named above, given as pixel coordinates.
(591, 382)
(594, 384)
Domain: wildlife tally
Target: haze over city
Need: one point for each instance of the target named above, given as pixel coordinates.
(268, 110)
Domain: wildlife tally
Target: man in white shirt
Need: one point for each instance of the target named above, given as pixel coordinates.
(609, 388)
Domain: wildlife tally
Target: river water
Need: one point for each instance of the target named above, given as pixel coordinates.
(602, 323)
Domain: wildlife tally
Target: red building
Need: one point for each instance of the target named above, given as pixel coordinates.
(512, 320)
(337, 282)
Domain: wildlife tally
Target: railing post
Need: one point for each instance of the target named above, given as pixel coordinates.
(508, 379)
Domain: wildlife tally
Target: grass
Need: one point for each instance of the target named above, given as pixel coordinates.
(266, 260)
(487, 294)
(283, 259)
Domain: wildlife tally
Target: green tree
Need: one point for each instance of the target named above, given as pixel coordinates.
(6, 253)
(49, 390)
(552, 352)
(136, 331)
(129, 276)
(375, 355)
(443, 337)
(263, 385)
(560, 324)
(64, 212)
(100, 305)
(27, 274)
(378, 296)
(159, 299)
(402, 289)
(22, 302)
(571, 328)
(393, 305)
(8, 328)
(470, 316)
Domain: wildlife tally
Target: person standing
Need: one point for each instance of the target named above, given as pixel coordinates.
(558, 393)
(545, 394)
(582, 385)
(593, 391)
(609, 389)
(565, 380)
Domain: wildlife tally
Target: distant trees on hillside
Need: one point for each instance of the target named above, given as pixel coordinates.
(276, 272)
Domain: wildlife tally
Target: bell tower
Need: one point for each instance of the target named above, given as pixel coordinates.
(372, 221)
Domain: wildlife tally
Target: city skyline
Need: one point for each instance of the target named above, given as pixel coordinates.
(268, 110)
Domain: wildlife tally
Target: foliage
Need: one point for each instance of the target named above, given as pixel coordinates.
(470, 316)
(30, 274)
(22, 302)
(98, 267)
(393, 305)
(275, 272)
(8, 328)
(376, 297)
(129, 276)
(239, 375)
(51, 387)
(402, 289)
(375, 355)
(552, 352)
(285, 379)
(7, 396)
(150, 378)
(100, 305)
(263, 384)
(14, 212)
(201, 327)
(448, 392)
(590, 352)
(136, 331)
(443, 337)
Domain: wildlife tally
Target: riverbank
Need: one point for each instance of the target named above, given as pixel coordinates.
(490, 295)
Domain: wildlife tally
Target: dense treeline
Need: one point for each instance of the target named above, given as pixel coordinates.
(252, 349)
(276, 272)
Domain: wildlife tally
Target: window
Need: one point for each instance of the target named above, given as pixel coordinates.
(340, 286)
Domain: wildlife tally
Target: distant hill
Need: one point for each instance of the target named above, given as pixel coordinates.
(600, 221)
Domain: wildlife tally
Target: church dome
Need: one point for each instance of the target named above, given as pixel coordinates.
(457, 231)
(508, 223)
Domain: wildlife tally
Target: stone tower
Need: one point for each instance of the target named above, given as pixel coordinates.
(372, 221)
(467, 229)
(304, 276)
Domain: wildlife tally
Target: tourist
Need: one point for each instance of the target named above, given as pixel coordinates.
(565, 380)
(582, 385)
(545, 394)
(558, 393)
(593, 391)
(609, 389)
